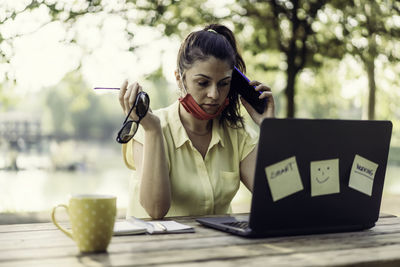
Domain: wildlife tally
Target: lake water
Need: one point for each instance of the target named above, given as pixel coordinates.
(40, 190)
(98, 169)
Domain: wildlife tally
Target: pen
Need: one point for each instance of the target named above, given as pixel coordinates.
(161, 226)
(106, 88)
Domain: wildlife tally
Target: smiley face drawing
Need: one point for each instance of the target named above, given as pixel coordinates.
(324, 177)
(322, 174)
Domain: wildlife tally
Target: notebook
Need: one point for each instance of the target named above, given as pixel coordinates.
(133, 226)
(314, 176)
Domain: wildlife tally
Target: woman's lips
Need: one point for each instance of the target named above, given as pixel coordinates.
(210, 107)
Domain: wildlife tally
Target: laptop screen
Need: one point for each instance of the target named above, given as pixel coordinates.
(319, 173)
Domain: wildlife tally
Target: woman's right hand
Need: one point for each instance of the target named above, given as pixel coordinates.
(149, 157)
(127, 96)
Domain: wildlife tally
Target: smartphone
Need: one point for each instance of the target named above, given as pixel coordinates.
(240, 83)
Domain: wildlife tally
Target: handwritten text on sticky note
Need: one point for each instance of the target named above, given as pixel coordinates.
(362, 175)
(324, 177)
(283, 178)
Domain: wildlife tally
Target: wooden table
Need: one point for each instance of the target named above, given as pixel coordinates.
(42, 244)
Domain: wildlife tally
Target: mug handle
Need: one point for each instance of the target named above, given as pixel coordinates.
(53, 218)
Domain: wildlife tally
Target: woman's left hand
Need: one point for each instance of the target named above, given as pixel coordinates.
(269, 111)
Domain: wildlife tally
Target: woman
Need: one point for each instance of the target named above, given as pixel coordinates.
(191, 156)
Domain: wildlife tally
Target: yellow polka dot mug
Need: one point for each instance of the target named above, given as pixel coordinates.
(92, 220)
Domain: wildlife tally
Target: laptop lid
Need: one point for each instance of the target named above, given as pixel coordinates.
(319, 173)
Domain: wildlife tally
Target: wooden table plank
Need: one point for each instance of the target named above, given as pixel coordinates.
(44, 245)
(382, 257)
(144, 250)
(40, 238)
(232, 254)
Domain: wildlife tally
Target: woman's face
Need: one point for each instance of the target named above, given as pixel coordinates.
(209, 82)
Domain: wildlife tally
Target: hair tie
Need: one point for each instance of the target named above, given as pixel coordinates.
(211, 30)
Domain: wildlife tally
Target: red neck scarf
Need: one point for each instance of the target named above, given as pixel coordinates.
(193, 108)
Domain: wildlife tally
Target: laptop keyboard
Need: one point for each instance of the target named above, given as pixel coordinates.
(238, 224)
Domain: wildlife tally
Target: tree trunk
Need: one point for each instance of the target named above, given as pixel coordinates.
(370, 66)
(291, 76)
(290, 85)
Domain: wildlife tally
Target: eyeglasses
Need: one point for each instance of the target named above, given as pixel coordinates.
(129, 127)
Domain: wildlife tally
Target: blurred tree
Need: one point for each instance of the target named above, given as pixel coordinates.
(6, 99)
(75, 111)
(285, 26)
(172, 17)
(159, 89)
(64, 12)
(370, 29)
(282, 25)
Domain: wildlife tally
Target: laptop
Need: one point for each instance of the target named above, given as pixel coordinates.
(314, 176)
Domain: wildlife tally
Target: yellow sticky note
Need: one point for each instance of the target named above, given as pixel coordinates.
(283, 178)
(362, 175)
(324, 177)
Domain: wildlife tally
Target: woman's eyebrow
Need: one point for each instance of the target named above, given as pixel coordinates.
(202, 75)
(207, 77)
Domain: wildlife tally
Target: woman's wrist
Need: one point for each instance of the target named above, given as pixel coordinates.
(151, 124)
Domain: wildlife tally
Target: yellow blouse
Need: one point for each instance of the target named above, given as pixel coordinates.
(198, 186)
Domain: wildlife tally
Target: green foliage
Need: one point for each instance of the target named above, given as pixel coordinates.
(172, 17)
(161, 92)
(280, 40)
(367, 29)
(284, 26)
(7, 100)
(320, 94)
